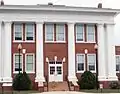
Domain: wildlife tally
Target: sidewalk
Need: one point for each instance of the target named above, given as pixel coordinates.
(71, 92)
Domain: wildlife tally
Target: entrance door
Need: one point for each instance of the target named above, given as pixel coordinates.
(55, 72)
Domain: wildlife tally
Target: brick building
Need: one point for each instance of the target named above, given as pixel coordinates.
(57, 43)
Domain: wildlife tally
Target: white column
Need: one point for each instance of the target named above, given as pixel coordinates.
(7, 77)
(0, 51)
(101, 52)
(111, 52)
(39, 53)
(71, 53)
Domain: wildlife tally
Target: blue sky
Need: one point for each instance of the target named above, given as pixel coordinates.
(115, 4)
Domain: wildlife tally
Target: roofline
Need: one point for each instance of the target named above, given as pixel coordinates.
(59, 8)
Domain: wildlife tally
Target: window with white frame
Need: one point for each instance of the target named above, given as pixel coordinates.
(90, 33)
(79, 32)
(117, 62)
(16, 62)
(29, 63)
(60, 32)
(80, 62)
(49, 32)
(91, 60)
(29, 32)
(18, 32)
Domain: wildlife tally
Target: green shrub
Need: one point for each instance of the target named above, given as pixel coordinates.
(114, 85)
(87, 81)
(22, 82)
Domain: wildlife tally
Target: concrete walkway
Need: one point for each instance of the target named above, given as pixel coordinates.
(70, 92)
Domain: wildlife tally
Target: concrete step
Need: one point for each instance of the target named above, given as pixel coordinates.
(58, 86)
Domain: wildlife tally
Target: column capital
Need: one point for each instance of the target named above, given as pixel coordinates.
(7, 22)
(109, 24)
(70, 22)
(39, 22)
(98, 24)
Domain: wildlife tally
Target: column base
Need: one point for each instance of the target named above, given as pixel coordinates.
(39, 79)
(102, 78)
(112, 78)
(72, 78)
(109, 78)
(7, 80)
(105, 81)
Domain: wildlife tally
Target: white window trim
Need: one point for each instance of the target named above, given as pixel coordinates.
(14, 33)
(14, 62)
(88, 63)
(59, 41)
(87, 33)
(33, 33)
(46, 41)
(33, 71)
(77, 63)
(116, 63)
(83, 33)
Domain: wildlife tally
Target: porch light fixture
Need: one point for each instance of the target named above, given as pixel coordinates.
(63, 59)
(86, 51)
(55, 58)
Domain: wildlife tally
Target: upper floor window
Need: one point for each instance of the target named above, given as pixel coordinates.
(91, 60)
(80, 62)
(18, 32)
(29, 31)
(16, 62)
(117, 62)
(54, 32)
(60, 32)
(29, 62)
(49, 32)
(79, 33)
(90, 33)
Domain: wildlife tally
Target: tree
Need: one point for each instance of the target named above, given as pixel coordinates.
(87, 80)
(22, 82)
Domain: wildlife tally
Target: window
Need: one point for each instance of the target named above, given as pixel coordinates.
(79, 33)
(60, 33)
(29, 31)
(117, 62)
(16, 62)
(18, 32)
(90, 33)
(29, 62)
(91, 59)
(80, 62)
(49, 32)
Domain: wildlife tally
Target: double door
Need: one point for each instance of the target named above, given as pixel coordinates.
(56, 72)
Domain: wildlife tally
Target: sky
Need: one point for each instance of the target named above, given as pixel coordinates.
(115, 4)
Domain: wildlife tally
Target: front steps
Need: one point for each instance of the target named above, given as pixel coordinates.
(58, 86)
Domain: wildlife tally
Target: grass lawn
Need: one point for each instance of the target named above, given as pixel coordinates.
(103, 91)
(21, 92)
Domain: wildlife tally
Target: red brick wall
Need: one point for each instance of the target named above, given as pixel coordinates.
(80, 47)
(30, 48)
(56, 49)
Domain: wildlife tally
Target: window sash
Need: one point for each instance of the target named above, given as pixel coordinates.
(29, 29)
(79, 32)
(49, 32)
(60, 32)
(18, 32)
(16, 62)
(30, 62)
(80, 62)
(117, 62)
(90, 33)
(91, 59)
